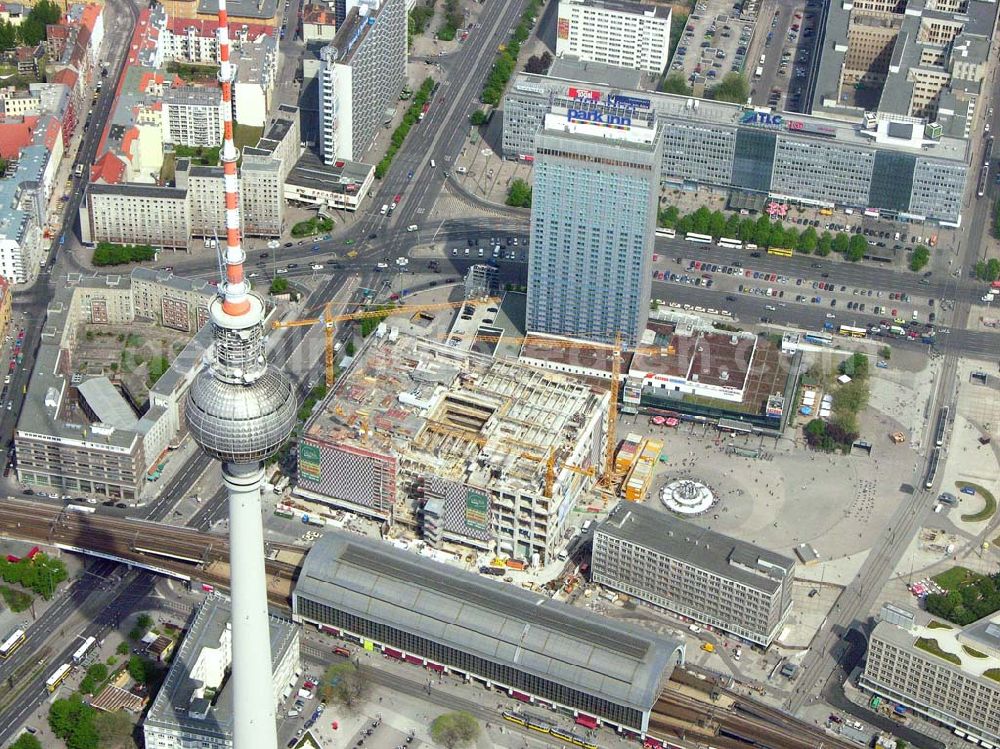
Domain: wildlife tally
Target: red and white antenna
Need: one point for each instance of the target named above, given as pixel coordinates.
(236, 301)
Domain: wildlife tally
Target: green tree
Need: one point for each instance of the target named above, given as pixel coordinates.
(857, 248)
(762, 235)
(717, 224)
(808, 241)
(122, 648)
(114, 730)
(842, 243)
(144, 621)
(538, 64)
(279, 285)
(988, 270)
(26, 741)
(732, 229)
(789, 237)
(349, 349)
(748, 230)
(344, 683)
(856, 366)
(519, 194)
(478, 118)
(73, 721)
(733, 88)
(454, 729)
(885, 353)
(8, 35)
(668, 217)
(701, 220)
(675, 84)
(825, 244)
(140, 669)
(919, 258)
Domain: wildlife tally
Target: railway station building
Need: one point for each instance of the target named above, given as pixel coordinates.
(446, 619)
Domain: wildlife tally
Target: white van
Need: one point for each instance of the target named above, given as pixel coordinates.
(385, 209)
(462, 170)
(433, 164)
(411, 227)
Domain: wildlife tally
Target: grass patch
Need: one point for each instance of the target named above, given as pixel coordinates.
(992, 673)
(989, 509)
(973, 652)
(935, 624)
(16, 600)
(312, 227)
(246, 135)
(169, 169)
(931, 646)
(956, 577)
(199, 154)
(188, 72)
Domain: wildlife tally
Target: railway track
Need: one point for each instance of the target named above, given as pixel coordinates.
(734, 723)
(171, 548)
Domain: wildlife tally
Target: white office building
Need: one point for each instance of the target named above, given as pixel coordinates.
(192, 116)
(360, 77)
(617, 32)
(194, 707)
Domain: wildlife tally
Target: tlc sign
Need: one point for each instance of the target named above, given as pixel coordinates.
(583, 93)
(609, 120)
(762, 118)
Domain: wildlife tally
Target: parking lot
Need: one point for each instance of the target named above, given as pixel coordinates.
(715, 42)
(781, 73)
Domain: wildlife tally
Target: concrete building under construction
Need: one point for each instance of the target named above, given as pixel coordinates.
(456, 445)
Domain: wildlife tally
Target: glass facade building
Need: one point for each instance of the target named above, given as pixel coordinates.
(807, 159)
(593, 218)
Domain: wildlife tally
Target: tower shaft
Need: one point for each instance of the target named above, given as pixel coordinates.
(251, 680)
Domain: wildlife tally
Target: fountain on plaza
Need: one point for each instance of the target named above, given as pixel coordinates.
(687, 497)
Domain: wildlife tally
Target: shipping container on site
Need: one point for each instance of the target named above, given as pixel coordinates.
(627, 452)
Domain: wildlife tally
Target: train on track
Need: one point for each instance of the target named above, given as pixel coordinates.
(535, 723)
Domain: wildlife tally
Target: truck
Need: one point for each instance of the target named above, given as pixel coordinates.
(424, 111)
(759, 71)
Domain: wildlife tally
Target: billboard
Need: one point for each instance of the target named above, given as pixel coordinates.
(477, 510)
(630, 102)
(583, 93)
(309, 461)
(562, 28)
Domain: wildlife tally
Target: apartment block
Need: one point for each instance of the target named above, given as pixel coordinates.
(192, 116)
(702, 575)
(136, 214)
(593, 216)
(617, 32)
(360, 77)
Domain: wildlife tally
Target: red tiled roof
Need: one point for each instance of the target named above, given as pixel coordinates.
(52, 132)
(15, 135)
(207, 26)
(127, 140)
(67, 77)
(108, 169)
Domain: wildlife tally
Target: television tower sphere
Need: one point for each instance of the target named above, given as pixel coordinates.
(240, 410)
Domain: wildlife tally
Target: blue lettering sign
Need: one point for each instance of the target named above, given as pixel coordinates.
(764, 119)
(598, 118)
(615, 100)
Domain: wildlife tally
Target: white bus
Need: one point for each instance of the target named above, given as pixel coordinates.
(668, 233)
(730, 244)
(703, 238)
(11, 644)
(81, 652)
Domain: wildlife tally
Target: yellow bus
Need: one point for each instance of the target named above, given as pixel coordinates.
(780, 251)
(53, 682)
(853, 332)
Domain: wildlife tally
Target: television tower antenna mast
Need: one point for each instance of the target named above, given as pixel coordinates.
(240, 411)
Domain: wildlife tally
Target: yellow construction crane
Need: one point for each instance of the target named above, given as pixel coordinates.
(329, 321)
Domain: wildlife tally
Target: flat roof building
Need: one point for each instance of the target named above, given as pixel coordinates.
(617, 32)
(593, 216)
(361, 75)
(194, 707)
(947, 673)
(918, 62)
(904, 171)
(104, 448)
(455, 443)
(342, 185)
(447, 619)
(712, 579)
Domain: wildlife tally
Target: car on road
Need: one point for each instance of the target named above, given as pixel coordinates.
(316, 266)
(968, 490)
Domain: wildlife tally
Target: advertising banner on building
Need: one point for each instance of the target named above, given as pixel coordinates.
(477, 510)
(309, 461)
(562, 28)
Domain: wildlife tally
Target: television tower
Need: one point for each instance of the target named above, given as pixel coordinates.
(240, 411)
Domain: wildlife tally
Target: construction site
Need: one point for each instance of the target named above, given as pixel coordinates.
(456, 447)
